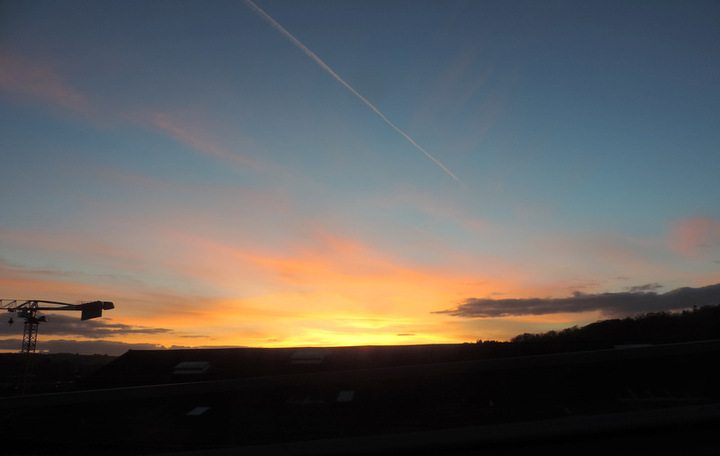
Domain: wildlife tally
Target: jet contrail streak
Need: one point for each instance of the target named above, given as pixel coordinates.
(325, 67)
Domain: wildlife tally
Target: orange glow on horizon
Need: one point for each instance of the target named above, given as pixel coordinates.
(330, 291)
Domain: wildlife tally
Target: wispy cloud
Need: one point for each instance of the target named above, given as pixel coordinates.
(638, 300)
(36, 79)
(644, 288)
(16, 282)
(22, 76)
(198, 139)
(332, 73)
(696, 237)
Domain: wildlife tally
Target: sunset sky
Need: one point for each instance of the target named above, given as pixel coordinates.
(317, 172)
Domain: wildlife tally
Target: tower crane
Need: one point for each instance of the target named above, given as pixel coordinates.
(28, 311)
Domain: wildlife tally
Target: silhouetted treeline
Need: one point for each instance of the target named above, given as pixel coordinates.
(59, 372)
(652, 328)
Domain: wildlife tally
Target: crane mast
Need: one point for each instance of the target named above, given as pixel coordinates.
(30, 331)
(28, 310)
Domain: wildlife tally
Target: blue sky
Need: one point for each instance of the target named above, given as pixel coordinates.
(191, 163)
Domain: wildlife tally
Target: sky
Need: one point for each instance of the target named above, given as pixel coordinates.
(277, 173)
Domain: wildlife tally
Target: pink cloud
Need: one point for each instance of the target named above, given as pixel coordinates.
(696, 237)
(38, 79)
(22, 284)
(60, 243)
(191, 135)
(42, 81)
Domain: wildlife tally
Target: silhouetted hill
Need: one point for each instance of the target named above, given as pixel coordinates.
(660, 399)
(489, 397)
(652, 328)
(62, 372)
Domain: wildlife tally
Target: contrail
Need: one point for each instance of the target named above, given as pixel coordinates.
(325, 67)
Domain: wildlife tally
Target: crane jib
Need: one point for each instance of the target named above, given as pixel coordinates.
(28, 310)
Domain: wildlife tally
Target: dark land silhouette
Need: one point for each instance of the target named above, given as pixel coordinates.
(61, 372)
(650, 328)
(639, 384)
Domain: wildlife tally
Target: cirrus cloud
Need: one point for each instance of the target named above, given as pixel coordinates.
(696, 237)
(40, 80)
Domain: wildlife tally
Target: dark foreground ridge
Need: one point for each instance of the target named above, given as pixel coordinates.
(433, 399)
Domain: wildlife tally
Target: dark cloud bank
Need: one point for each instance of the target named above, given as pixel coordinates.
(95, 335)
(638, 299)
(101, 328)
